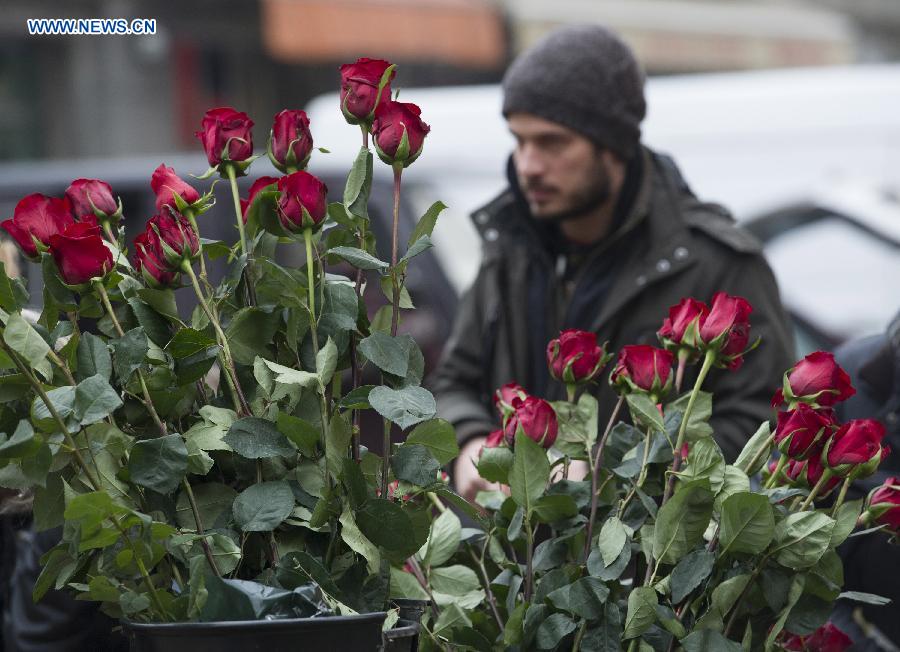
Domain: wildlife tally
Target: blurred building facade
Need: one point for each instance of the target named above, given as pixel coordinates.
(88, 96)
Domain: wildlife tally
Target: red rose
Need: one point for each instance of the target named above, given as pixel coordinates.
(643, 368)
(290, 142)
(817, 379)
(258, 185)
(727, 328)
(494, 439)
(178, 240)
(799, 431)
(226, 135)
(392, 121)
(166, 184)
(536, 418)
(504, 397)
(89, 195)
(37, 217)
(827, 638)
(575, 357)
(884, 504)
(303, 202)
(359, 88)
(855, 449)
(80, 254)
(687, 314)
(150, 260)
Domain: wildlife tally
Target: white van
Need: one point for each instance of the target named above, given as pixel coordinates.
(755, 141)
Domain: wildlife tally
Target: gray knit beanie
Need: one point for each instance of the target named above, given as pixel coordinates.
(585, 78)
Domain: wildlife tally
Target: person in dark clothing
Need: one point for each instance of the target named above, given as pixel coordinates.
(596, 232)
(871, 562)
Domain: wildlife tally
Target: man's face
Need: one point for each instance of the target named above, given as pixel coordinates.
(561, 173)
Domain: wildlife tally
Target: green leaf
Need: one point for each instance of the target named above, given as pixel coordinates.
(8, 301)
(735, 481)
(529, 474)
(705, 461)
(390, 354)
(845, 521)
(439, 437)
(495, 464)
(61, 398)
(290, 376)
(386, 524)
(159, 464)
(95, 399)
(642, 603)
(680, 523)
(643, 410)
(415, 464)
(129, 352)
(22, 338)
(607, 635)
(708, 640)
(256, 438)
(340, 308)
(865, 598)
(597, 568)
(158, 329)
(698, 426)
(747, 523)
(263, 506)
(584, 597)
(357, 542)
(690, 572)
(422, 244)
(339, 435)
(802, 538)
(162, 301)
(359, 184)
(326, 362)
(553, 630)
(21, 444)
(426, 223)
(726, 594)
(301, 433)
(213, 500)
(451, 617)
(359, 258)
(250, 333)
(454, 580)
(613, 537)
(405, 407)
(443, 539)
(553, 508)
(187, 342)
(757, 450)
(93, 357)
(794, 595)
(49, 504)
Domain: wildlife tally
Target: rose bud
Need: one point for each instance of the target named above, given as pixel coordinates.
(827, 638)
(177, 238)
(290, 141)
(399, 133)
(504, 397)
(575, 357)
(800, 431)
(818, 380)
(536, 418)
(681, 329)
(150, 260)
(726, 329)
(359, 88)
(80, 254)
(884, 504)
(855, 449)
(260, 184)
(226, 135)
(643, 368)
(167, 186)
(303, 203)
(35, 219)
(92, 200)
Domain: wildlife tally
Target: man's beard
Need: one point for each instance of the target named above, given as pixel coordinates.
(584, 202)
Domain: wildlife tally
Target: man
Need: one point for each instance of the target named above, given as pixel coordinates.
(599, 233)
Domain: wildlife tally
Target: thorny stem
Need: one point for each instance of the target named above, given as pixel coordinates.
(683, 355)
(529, 554)
(203, 542)
(189, 214)
(395, 281)
(229, 368)
(248, 274)
(148, 402)
(773, 479)
(841, 496)
(62, 366)
(826, 476)
(596, 472)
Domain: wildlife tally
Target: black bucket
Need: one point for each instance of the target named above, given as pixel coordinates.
(338, 633)
(402, 637)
